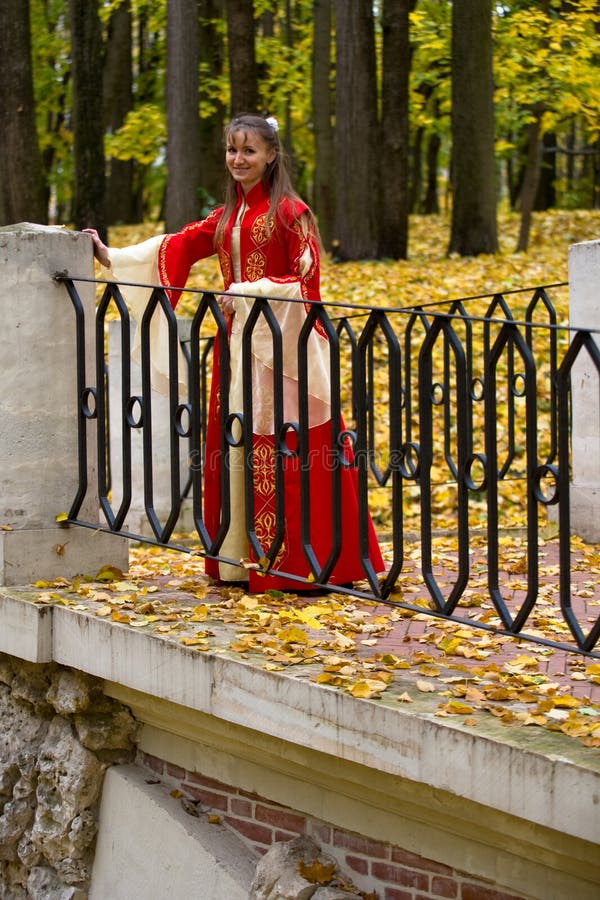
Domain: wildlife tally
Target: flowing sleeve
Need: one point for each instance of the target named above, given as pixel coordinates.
(161, 260)
(301, 287)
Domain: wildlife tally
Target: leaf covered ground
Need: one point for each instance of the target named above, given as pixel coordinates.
(369, 650)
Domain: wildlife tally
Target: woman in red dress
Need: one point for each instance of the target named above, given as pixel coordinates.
(267, 243)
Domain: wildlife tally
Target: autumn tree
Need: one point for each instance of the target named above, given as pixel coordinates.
(141, 138)
(393, 236)
(538, 97)
(213, 108)
(322, 110)
(22, 192)
(88, 130)
(356, 228)
(243, 75)
(473, 228)
(118, 101)
(183, 122)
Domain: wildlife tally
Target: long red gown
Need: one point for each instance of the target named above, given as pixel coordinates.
(282, 262)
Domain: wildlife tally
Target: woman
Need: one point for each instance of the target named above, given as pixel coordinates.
(267, 243)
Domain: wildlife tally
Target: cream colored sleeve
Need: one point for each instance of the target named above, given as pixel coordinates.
(138, 265)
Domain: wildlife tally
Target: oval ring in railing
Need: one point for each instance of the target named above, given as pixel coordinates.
(518, 386)
(178, 420)
(283, 433)
(539, 474)
(477, 389)
(408, 468)
(437, 393)
(341, 442)
(229, 436)
(481, 458)
(88, 411)
(129, 408)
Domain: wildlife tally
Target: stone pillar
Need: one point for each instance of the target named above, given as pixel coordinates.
(584, 312)
(38, 410)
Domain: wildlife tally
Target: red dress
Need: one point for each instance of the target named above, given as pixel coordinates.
(281, 262)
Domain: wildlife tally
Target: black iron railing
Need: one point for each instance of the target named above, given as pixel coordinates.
(459, 416)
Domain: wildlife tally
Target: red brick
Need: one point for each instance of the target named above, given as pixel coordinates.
(175, 771)
(152, 762)
(395, 894)
(418, 862)
(281, 818)
(240, 807)
(252, 796)
(208, 798)
(398, 875)
(444, 887)
(282, 837)
(251, 830)
(358, 864)
(359, 844)
(197, 778)
(480, 892)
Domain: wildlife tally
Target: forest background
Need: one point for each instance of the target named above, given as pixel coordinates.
(388, 110)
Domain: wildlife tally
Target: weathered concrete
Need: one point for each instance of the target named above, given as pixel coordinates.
(149, 846)
(584, 312)
(39, 472)
(381, 735)
(59, 734)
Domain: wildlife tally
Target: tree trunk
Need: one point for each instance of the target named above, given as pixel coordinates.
(323, 200)
(545, 197)
(88, 133)
(416, 176)
(394, 159)
(531, 179)
(243, 73)
(22, 190)
(474, 228)
(431, 204)
(212, 55)
(118, 101)
(182, 203)
(357, 135)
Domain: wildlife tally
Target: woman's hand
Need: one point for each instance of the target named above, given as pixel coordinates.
(100, 249)
(227, 304)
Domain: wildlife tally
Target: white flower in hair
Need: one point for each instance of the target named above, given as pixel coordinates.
(272, 121)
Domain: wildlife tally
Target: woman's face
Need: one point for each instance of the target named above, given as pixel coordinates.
(247, 157)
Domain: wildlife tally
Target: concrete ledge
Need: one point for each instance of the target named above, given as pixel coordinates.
(173, 853)
(547, 779)
(25, 629)
(29, 554)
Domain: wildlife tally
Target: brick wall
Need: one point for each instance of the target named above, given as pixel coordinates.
(374, 866)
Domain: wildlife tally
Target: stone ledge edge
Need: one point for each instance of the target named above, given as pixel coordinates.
(551, 789)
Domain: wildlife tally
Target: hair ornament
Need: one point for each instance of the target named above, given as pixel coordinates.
(272, 121)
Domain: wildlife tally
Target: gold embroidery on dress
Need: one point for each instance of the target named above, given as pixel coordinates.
(258, 231)
(256, 264)
(263, 459)
(265, 520)
(225, 263)
(162, 259)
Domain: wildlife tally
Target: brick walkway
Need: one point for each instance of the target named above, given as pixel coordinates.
(433, 636)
